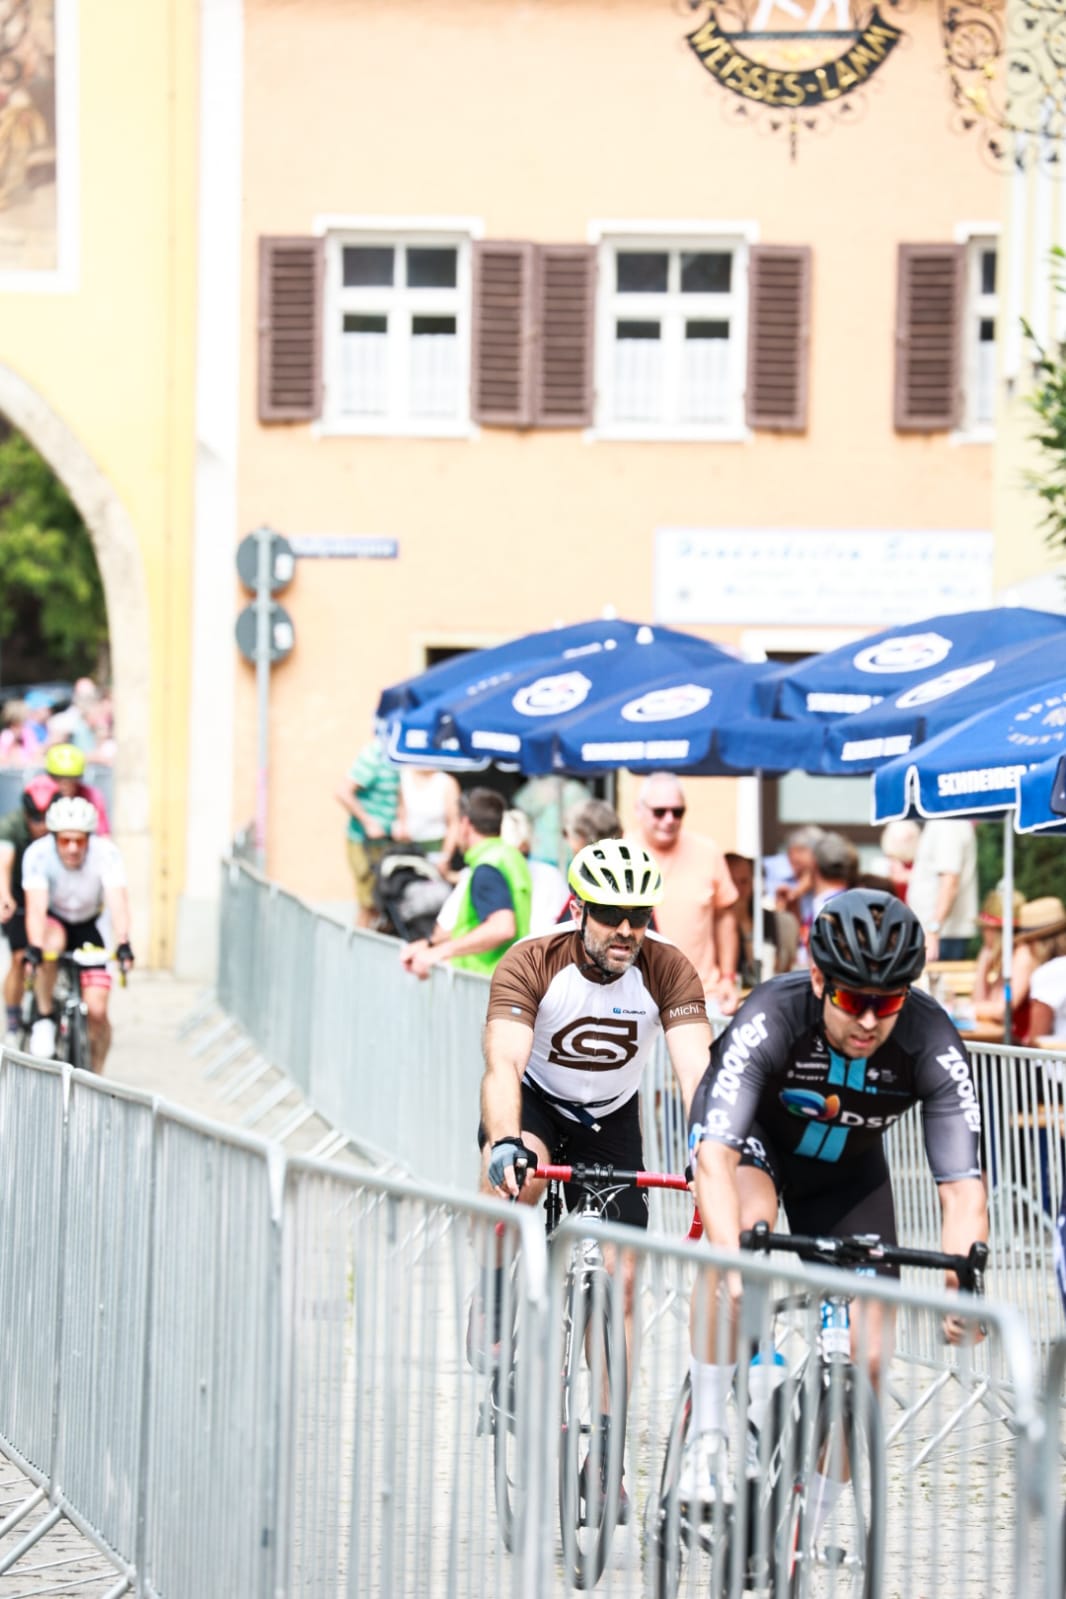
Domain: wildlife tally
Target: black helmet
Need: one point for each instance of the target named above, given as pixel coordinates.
(868, 939)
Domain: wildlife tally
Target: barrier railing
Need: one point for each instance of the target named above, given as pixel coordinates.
(396, 1063)
(242, 1373)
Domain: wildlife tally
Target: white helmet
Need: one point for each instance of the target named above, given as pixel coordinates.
(75, 815)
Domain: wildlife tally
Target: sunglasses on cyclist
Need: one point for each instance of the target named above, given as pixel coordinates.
(856, 1002)
(615, 915)
(659, 811)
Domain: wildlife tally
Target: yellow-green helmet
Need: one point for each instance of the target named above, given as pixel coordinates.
(613, 872)
(64, 760)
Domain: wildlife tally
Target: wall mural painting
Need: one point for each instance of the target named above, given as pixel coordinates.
(28, 218)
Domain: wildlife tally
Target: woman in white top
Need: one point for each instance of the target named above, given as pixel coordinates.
(428, 812)
(1047, 995)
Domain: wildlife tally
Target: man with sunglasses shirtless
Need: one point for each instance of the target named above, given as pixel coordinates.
(698, 909)
(572, 1018)
(799, 1093)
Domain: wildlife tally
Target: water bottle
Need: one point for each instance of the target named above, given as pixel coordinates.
(763, 1377)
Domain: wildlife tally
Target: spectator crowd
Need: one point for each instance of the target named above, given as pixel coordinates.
(483, 874)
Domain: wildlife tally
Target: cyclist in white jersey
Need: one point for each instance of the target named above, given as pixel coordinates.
(68, 878)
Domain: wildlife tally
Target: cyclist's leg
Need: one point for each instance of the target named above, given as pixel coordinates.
(483, 1335)
(714, 1337)
(857, 1199)
(55, 942)
(14, 930)
(96, 998)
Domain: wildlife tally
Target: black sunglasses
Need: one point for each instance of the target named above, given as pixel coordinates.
(615, 915)
(659, 811)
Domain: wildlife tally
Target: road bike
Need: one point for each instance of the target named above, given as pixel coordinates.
(822, 1420)
(69, 1010)
(593, 1380)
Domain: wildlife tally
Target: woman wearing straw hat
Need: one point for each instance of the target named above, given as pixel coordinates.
(1041, 937)
(989, 999)
(1046, 948)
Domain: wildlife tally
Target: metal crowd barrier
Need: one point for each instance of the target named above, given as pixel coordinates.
(246, 1374)
(393, 1062)
(396, 1064)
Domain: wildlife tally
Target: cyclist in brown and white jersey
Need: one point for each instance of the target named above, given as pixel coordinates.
(572, 1018)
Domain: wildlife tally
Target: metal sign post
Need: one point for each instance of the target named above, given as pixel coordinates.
(265, 564)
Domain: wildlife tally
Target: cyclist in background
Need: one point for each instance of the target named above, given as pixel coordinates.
(800, 1091)
(68, 879)
(18, 829)
(66, 763)
(572, 1018)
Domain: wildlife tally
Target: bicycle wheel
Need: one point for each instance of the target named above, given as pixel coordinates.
(593, 1427)
(506, 1458)
(844, 1553)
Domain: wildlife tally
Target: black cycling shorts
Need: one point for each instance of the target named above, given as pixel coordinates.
(619, 1142)
(14, 930)
(827, 1200)
(78, 933)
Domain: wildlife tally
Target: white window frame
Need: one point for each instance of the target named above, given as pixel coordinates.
(612, 237)
(977, 308)
(397, 232)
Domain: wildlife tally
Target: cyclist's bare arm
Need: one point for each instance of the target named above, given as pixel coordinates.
(7, 860)
(689, 1047)
(717, 1193)
(963, 1221)
(117, 900)
(507, 1047)
(36, 916)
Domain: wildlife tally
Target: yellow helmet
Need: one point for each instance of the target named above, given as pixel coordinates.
(64, 760)
(613, 872)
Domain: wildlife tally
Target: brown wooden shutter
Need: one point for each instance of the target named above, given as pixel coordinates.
(290, 329)
(502, 360)
(565, 316)
(932, 286)
(779, 296)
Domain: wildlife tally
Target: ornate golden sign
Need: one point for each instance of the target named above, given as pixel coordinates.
(793, 68)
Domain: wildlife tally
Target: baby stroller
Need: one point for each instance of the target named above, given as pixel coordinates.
(408, 892)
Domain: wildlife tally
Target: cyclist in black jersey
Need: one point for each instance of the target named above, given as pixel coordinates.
(794, 1105)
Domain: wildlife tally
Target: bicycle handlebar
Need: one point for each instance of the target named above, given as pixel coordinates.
(866, 1248)
(86, 956)
(596, 1176)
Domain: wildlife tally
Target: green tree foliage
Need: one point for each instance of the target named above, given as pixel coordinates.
(1049, 402)
(1039, 861)
(49, 582)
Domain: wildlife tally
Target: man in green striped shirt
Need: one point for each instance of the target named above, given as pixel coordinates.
(370, 794)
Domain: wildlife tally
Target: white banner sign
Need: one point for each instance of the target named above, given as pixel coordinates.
(750, 575)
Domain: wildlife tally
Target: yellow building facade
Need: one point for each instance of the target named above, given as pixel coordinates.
(97, 361)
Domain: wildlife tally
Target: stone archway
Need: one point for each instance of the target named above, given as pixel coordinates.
(118, 556)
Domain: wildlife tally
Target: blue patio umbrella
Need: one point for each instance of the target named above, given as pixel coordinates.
(975, 769)
(854, 677)
(975, 766)
(516, 720)
(1042, 797)
(475, 670)
(671, 724)
(936, 702)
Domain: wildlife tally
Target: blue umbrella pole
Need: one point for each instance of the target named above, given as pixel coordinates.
(1008, 921)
